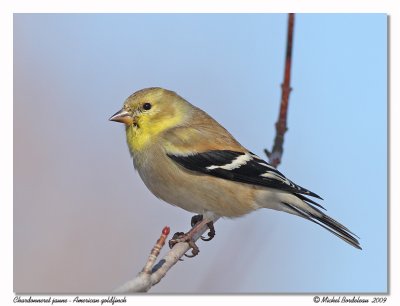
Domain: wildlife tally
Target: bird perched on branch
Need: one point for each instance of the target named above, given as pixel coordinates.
(188, 159)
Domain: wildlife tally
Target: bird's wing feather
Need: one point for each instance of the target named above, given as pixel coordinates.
(244, 167)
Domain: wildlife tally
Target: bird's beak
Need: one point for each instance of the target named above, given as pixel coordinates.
(122, 116)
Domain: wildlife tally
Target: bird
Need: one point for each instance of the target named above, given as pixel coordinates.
(187, 159)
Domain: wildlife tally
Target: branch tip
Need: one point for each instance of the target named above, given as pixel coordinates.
(166, 230)
(275, 156)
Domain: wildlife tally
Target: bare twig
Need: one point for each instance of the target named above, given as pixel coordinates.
(156, 251)
(152, 274)
(275, 156)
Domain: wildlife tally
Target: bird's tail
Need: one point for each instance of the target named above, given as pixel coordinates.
(304, 207)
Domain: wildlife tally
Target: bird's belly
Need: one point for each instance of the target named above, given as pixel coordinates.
(199, 193)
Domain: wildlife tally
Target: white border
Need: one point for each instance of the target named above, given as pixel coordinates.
(8, 7)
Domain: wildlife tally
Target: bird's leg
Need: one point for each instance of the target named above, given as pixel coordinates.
(188, 237)
(211, 233)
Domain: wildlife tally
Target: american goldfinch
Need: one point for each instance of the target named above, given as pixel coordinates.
(188, 159)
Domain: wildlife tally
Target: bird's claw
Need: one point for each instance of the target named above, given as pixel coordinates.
(182, 237)
(175, 239)
(211, 232)
(195, 249)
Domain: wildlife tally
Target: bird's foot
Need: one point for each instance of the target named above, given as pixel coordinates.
(197, 222)
(182, 237)
(198, 218)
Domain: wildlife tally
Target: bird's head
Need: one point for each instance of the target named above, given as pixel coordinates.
(150, 111)
(150, 108)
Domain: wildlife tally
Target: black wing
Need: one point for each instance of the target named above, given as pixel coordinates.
(241, 167)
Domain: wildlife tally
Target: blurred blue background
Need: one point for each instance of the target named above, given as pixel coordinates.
(84, 221)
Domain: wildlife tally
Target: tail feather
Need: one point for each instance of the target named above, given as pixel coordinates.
(331, 220)
(305, 199)
(315, 215)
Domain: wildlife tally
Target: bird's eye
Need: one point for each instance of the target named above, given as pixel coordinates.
(146, 106)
